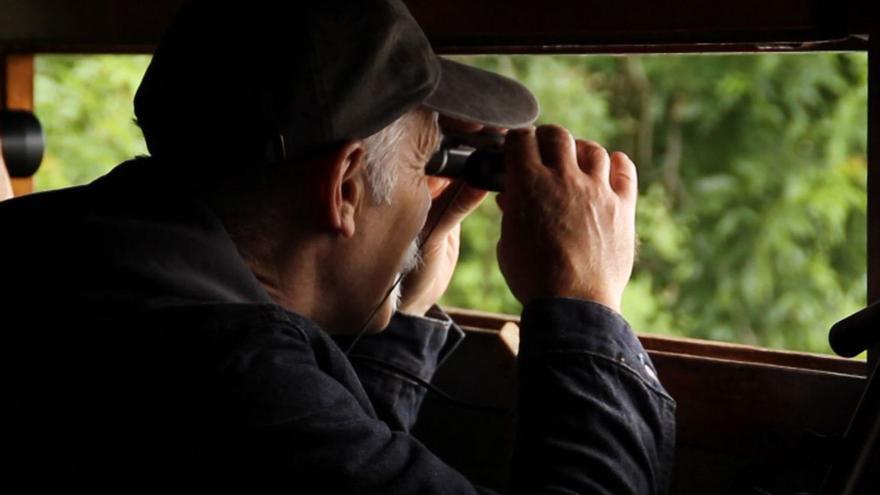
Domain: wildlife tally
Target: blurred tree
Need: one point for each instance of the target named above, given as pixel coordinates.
(85, 106)
(752, 168)
(752, 213)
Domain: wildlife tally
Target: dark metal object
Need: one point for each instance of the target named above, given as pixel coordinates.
(857, 332)
(477, 158)
(856, 468)
(21, 142)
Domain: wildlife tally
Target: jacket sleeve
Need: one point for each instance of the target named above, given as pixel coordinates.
(592, 418)
(395, 364)
(312, 427)
(592, 415)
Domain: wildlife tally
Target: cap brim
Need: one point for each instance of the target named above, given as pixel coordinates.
(475, 95)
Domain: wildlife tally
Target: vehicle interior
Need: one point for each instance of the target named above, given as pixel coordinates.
(750, 419)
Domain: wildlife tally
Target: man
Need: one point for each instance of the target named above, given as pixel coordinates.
(179, 311)
(5, 181)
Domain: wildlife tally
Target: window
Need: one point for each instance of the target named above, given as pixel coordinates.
(752, 213)
(753, 177)
(85, 106)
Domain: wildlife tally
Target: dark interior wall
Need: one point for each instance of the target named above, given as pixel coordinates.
(132, 25)
(32, 25)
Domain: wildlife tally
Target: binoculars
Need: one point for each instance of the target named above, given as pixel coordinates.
(476, 158)
(21, 142)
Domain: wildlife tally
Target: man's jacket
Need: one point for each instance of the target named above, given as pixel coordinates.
(139, 350)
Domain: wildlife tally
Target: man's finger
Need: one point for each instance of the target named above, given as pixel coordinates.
(522, 160)
(557, 147)
(624, 178)
(437, 185)
(461, 200)
(593, 159)
(451, 125)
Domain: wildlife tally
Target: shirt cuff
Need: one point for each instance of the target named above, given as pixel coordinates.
(559, 324)
(416, 344)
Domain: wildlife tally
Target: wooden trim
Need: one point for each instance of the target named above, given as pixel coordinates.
(17, 93)
(736, 413)
(750, 354)
(19, 82)
(22, 186)
(693, 347)
(494, 25)
(874, 182)
(739, 407)
(480, 319)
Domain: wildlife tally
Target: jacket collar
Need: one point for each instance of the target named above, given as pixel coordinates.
(160, 246)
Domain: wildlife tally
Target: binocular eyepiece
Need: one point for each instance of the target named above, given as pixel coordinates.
(21, 142)
(476, 158)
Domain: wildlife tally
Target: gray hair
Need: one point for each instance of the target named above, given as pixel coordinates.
(382, 151)
(250, 208)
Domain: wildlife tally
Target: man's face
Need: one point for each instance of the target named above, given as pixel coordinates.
(391, 231)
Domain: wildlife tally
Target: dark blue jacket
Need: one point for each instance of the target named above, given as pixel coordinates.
(141, 351)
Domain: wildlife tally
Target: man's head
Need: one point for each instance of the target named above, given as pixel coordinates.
(274, 81)
(329, 236)
(312, 123)
(400, 197)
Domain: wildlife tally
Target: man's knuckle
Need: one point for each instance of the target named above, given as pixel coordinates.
(554, 133)
(619, 156)
(521, 133)
(594, 149)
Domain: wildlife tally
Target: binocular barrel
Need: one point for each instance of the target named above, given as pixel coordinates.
(857, 332)
(21, 142)
(480, 168)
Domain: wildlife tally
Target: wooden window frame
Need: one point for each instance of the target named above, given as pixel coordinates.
(17, 93)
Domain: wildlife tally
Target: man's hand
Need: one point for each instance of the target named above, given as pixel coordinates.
(5, 182)
(426, 283)
(568, 225)
(423, 286)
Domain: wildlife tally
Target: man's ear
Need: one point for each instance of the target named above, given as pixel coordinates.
(343, 186)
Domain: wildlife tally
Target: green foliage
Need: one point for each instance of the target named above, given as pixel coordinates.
(752, 214)
(752, 169)
(85, 106)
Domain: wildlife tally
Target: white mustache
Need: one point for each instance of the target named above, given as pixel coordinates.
(411, 260)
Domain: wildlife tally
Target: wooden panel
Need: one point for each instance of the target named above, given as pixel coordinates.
(694, 347)
(480, 319)
(475, 440)
(17, 93)
(736, 407)
(732, 416)
(19, 82)
(465, 25)
(750, 354)
(22, 185)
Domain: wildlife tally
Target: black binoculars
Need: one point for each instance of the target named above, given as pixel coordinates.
(476, 158)
(21, 142)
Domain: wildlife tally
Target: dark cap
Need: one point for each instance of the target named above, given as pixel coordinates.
(264, 79)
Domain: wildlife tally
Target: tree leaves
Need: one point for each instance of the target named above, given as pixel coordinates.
(753, 187)
(752, 215)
